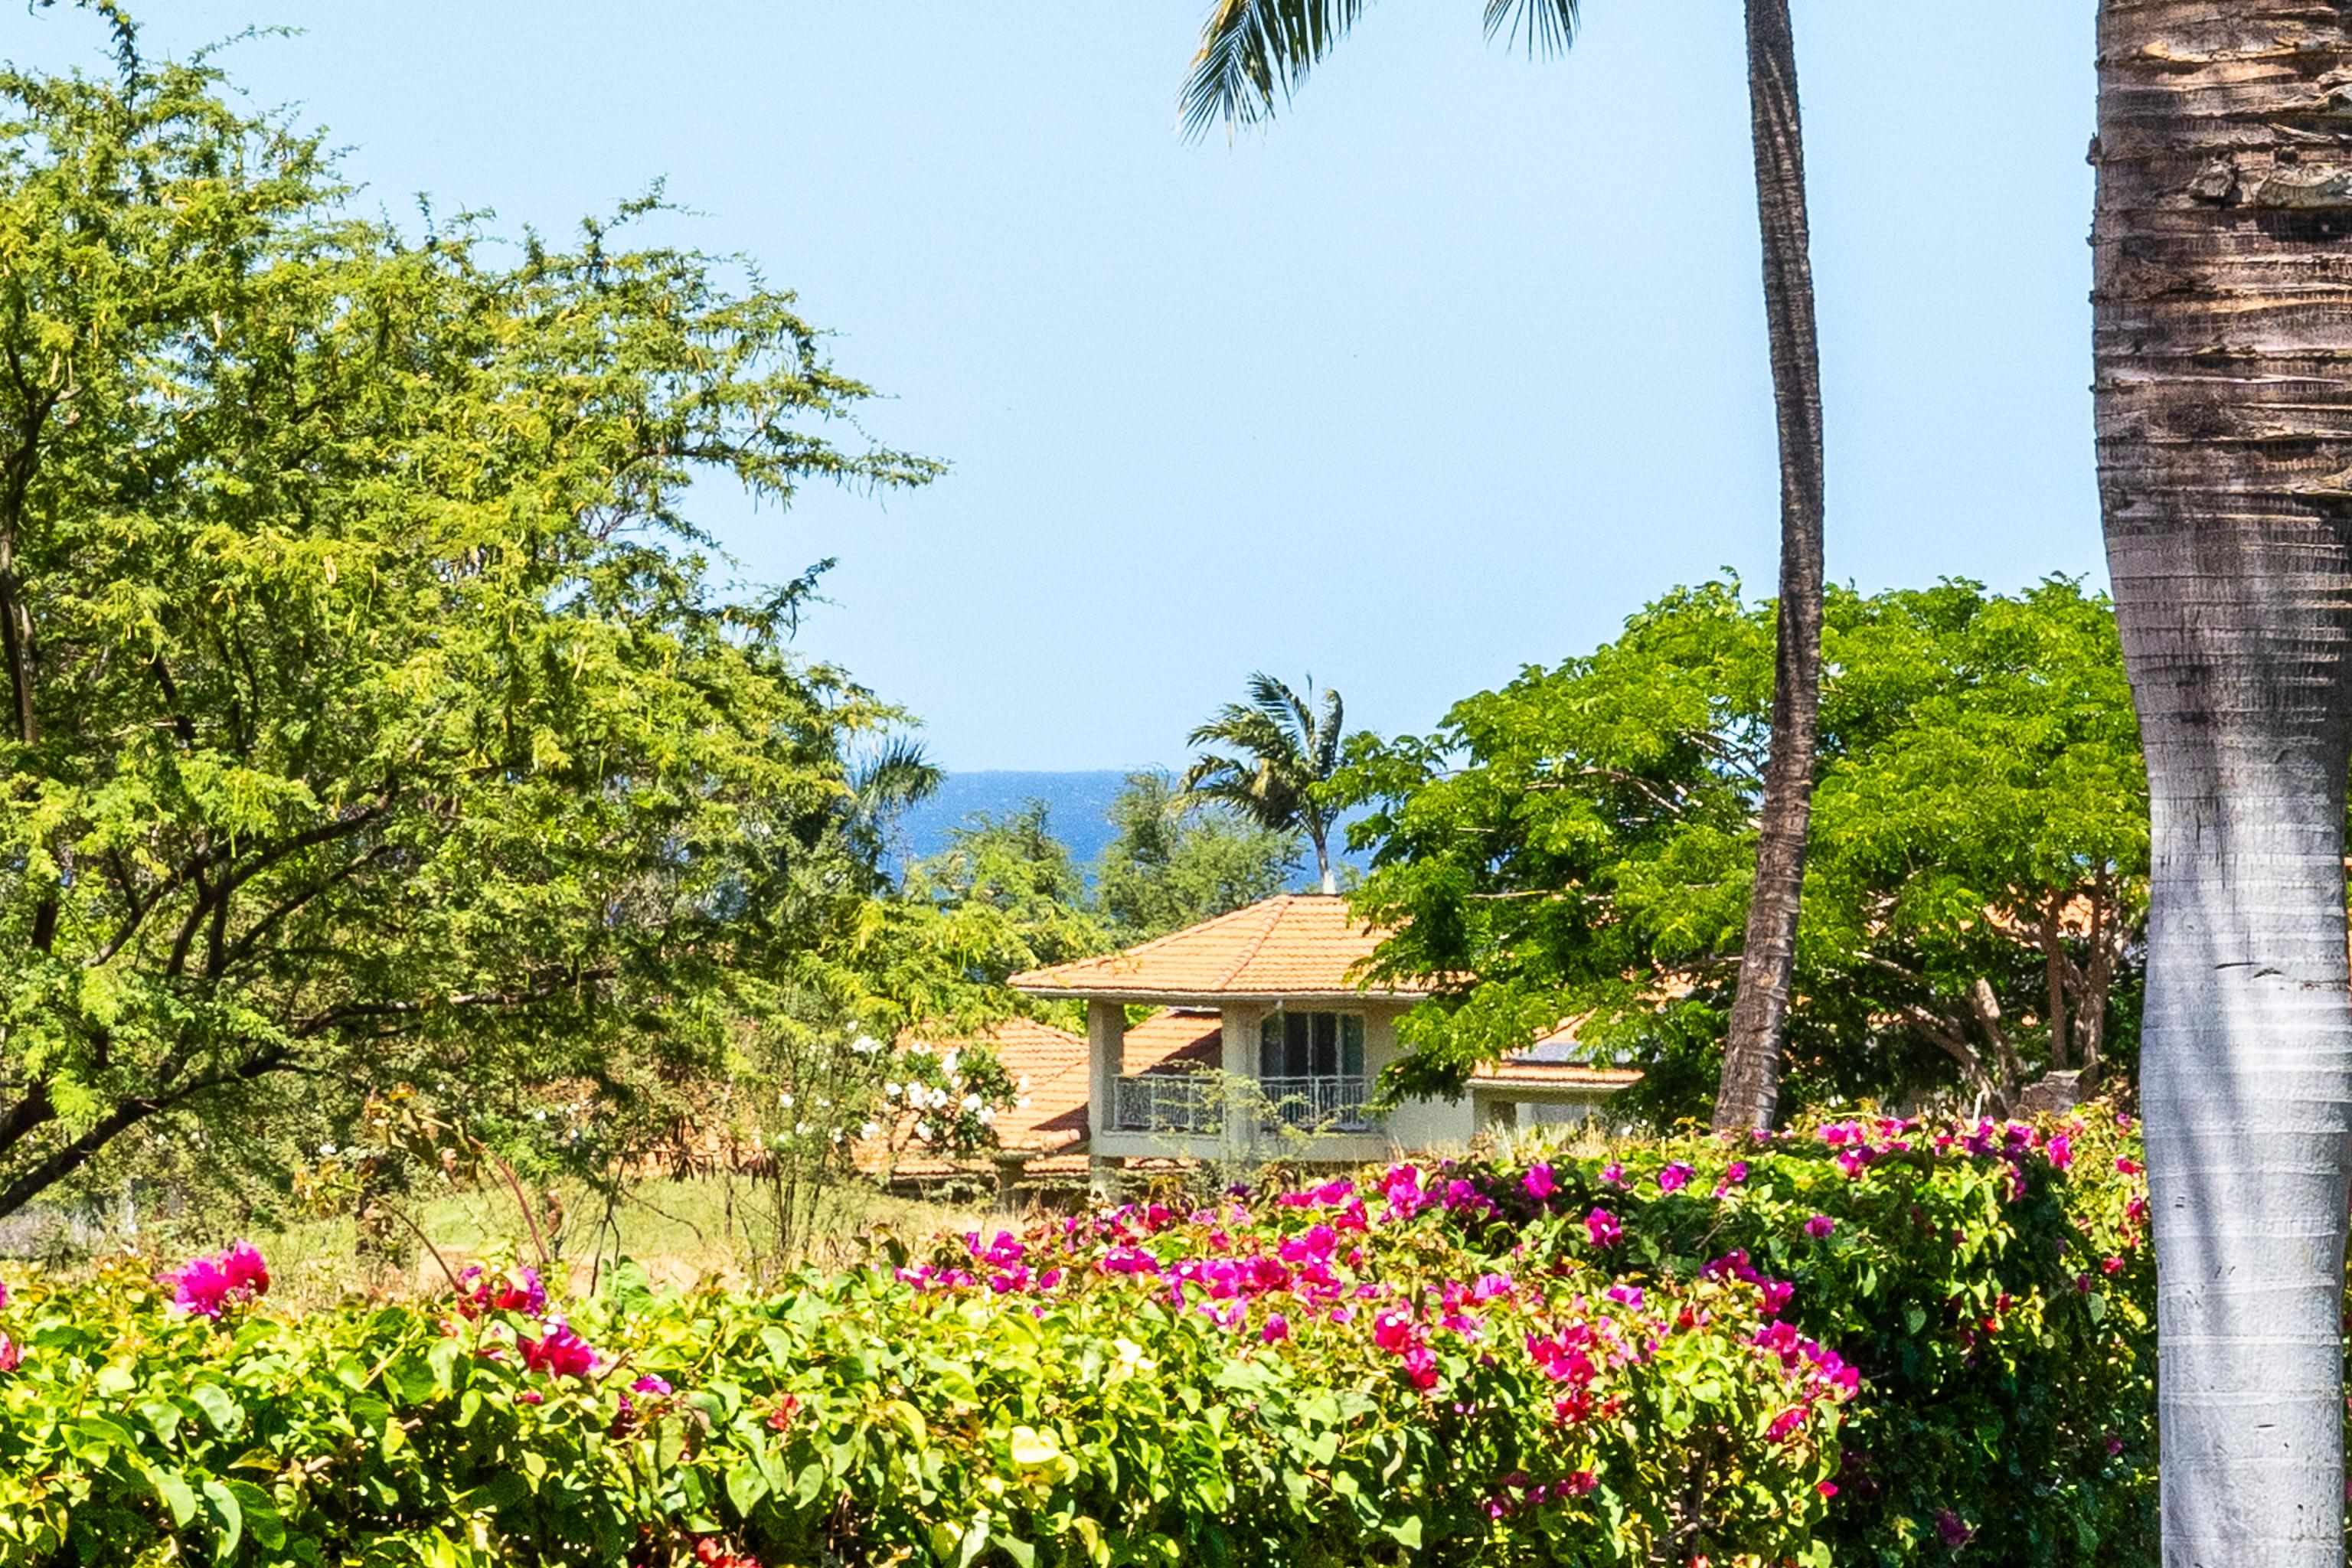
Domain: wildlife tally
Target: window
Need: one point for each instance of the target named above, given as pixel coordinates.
(1311, 1045)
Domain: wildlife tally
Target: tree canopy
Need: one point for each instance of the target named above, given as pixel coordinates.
(1580, 841)
(373, 712)
(1179, 860)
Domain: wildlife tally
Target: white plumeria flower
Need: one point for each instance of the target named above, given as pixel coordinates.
(988, 1116)
(1021, 1102)
(865, 1045)
(785, 1100)
(889, 1091)
(971, 1102)
(923, 1131)
(871, 1130)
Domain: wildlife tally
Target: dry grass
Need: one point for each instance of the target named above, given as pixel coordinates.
(679, 1232)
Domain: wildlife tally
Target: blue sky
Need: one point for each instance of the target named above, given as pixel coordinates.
(1444, 372)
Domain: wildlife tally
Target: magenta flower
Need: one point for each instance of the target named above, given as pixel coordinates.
(1537, 1182)
(1953, 1533)
(2127, 1166)
(1785, 1426)
(1820, 1226)
(207, 1285)
(516, 1289)
(1736, 1175)
(1674, 1177)
(1603, 1227)
(560, 1352)
(2061, 1149)
(649, 1383)
(1277, 1328)
(1613, 1174)
(1626, 1296)
(12, 1355)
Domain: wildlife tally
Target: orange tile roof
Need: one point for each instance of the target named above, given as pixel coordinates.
(1054, 1064)
(1174, 1040)
(1290, 946)
(1553, 1061)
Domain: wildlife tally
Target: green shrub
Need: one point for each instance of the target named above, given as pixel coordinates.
(1499, 1362)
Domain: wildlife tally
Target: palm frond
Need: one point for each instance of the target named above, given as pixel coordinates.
(1327, 734)
(1548, 25)
(899, 775)
(1253, 52)
(1283, 708)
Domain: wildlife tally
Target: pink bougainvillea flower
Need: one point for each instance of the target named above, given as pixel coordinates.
(1421, 1367)
(1487, 1287)
(2061, 1151)
(1578, 1483)
(2127, 1166)
(1613, 1174)
(1603, 1227)
(1277, 1328)
(516, 1289)
(1626, 1296)
(1674, 1177)
(558, 1352)
(1785, 1426)
(1820, 1226)
(1827, 1489)
(1949, 1529)
(12, 1355)
(1537, 1182)
(649, 1383)
(1736, 1175)
(207, 1285)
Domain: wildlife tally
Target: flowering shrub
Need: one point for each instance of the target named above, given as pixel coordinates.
(1857, 1344)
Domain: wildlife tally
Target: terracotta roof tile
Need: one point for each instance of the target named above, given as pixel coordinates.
(1292, 945)
(1554, 1062)
(1174, 1040)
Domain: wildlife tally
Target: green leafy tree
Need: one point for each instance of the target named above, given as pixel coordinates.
(1179, 860)
(1003, 896)
(1275, 753)
(371, 714)
(1578, 841)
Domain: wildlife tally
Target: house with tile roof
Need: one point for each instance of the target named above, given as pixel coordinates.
(1275, 998)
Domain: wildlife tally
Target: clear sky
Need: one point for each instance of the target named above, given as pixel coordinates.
(1444, 372)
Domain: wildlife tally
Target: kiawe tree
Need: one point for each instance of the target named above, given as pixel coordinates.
(370, 715)
(1254, 52)
(1278, 751)
(2222, 294)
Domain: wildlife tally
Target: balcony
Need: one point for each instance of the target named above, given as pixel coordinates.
(1194, 1103)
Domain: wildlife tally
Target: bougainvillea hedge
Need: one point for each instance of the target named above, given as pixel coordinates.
(1857, 1344)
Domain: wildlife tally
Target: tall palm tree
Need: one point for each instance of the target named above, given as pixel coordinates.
(1256, 52)
(2222, 290)
(1280, 746)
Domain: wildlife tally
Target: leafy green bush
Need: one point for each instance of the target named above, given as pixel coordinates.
(1500, 1361)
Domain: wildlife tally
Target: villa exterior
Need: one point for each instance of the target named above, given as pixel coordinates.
(1270, 999)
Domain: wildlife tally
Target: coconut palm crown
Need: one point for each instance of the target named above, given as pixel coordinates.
(1273, 750)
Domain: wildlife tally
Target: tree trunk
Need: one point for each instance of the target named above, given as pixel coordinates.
(2223, 344)
(1750, 1088)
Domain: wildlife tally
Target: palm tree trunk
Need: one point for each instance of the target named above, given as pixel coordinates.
(2223, 344)
(1750, 1087)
